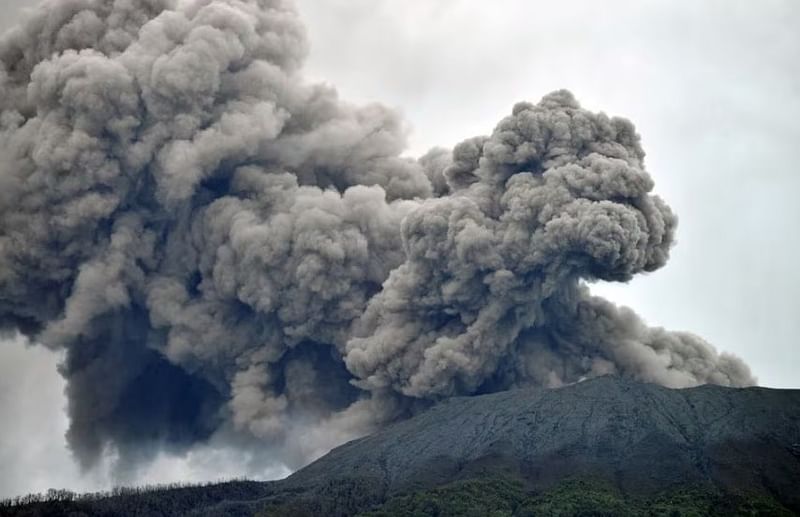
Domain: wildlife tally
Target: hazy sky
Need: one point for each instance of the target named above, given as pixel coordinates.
(713, 88)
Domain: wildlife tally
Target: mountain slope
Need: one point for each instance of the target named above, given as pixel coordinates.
(606, 446)
(641, 438)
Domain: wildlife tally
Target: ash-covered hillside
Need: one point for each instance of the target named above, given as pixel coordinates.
(643, 436)
(608, 446)
(642, 439)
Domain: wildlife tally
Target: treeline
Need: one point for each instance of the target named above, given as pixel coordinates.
(508, 497)
(63, 495)
(493, 496)
(162, 499)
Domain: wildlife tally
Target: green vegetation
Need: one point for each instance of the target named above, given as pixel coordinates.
(485, 497)
(497, 498)
(339, 498)
(507, 498)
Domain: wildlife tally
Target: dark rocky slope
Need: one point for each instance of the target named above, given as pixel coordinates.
(642, 438)
(637, 442)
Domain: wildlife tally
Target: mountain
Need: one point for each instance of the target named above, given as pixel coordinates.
(603, 446)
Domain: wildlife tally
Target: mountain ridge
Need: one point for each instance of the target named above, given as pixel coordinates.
(603, 420)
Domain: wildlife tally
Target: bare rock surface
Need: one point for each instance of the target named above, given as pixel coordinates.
(642, 437)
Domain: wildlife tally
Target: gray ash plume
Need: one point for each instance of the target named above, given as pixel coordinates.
(223, 249)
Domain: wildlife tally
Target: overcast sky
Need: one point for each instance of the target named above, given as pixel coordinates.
(713, 88)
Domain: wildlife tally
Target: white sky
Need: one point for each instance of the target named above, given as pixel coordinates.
(713, 88)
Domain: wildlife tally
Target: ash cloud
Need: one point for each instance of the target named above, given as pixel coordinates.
(226, 250)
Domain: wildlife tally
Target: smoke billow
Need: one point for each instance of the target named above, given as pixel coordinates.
(223, 249)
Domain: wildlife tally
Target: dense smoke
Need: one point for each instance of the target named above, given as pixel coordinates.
(223, 249)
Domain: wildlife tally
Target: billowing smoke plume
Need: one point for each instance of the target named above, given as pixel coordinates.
(223, 248)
